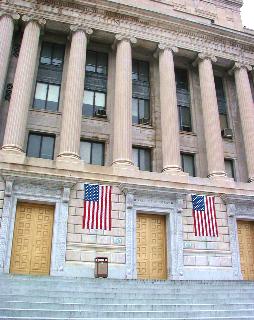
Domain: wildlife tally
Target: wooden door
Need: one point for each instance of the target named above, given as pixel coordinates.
(151, 247)
(31, 246)
(246, 246)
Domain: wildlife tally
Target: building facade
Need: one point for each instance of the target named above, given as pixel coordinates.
(154, 98)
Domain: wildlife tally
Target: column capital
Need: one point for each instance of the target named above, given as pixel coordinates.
(126, 37)
(13, 15)
(87, 30)
(204, 56)
(162, 46)
(240, 65)
(29, 18)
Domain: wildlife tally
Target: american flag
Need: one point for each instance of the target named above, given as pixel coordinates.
(97, 207)
(204, 215)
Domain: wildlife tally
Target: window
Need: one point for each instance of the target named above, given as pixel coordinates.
(40, 146)
(96, 62)
(183, 99)
(188, 166)
(229, 167)
(92, 152)
(140, 111)
(52, 54)
(46, 96)
(142, 158)
(140, 70)
(94, 103)
(222, 103)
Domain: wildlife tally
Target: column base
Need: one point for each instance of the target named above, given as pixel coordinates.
(174, 170)
(251, 180)
(12, 154)
(217, 175)
(69, 161)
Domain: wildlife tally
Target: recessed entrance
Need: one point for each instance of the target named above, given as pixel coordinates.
(151, 247)
(246, 246)
(31, 246)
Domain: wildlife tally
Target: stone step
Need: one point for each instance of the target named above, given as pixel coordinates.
(127, 306)
(124, 314)
(78, 318)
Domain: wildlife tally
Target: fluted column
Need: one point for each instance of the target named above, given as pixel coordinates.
(74, 93)
(122, 147)
(213, 139)
(246, 108)
(6, 34)
(22, 86)
(169, 113)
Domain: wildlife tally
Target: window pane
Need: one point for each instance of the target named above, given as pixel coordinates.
(229, 167)
(135, 156)
(144, 160)
(102, 62)
(91, 61)
(33, 147)
(85, 151)
(40, 95)
(143, 71)
(98, 153)
(147, 110)
(181, 79)
(134, 70)
(88, 103)
(188, 164)
(100, 100)
(53, 97)
(58, 55)
(141, 109)
(185, 118)
(47, 147)
(46, 53)
(223, 121)
(134, 110)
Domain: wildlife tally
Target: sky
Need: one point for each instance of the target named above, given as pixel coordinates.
(248, 13)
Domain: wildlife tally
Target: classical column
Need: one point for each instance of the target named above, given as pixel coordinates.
(22, 86)
(6, 34)
(211, 121)
(74, 92)
(169, 113)
(122, 147)
(246, 108)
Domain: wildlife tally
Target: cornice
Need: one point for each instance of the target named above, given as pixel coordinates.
(223, 42)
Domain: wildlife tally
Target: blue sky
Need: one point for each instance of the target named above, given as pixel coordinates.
(248, 13)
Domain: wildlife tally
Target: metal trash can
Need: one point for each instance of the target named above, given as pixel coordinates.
(101, 267)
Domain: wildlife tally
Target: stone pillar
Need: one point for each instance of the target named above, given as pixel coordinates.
(74, 93)
(169, 112)
(122, 146)
(22, 87)
(246, 108)
(6, 34)
(211, 120)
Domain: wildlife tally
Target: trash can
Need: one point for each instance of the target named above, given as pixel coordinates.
(101, 267)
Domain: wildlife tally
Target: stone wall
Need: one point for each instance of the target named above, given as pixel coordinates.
(2, 188)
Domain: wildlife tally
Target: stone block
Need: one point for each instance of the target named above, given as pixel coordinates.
(103, 239)
(80, 195)
(72, 211)
(73, 255)
(116, 190)
(114, 197)
(118, 257)
(88, 256)
(73, 194)
(118, 206)
(188, 228)
(116, 223)
(189, 260)
(1, 194)
(71, 237)
(70, 228)
(78, 228)
(200, 245)
(223, 230)
(212, 245)
(74, 219)
(78, 203)
(80, 212)
(223, 246)
(121, 215)
(226, 238)
(89, 238)
(114, 214)
(214, 261)
(201, 261)
(121, 198)
(226, 262)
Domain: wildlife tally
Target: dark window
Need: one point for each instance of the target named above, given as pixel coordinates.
(52, 54)
(229, 167)
(94, 103)
(140, 111)
(140, 70)
(222, 103)
(183, 99)
(96, 62)
(46, 96)
(40, 146)
(188, 163)
(92, 152)
(142, 158)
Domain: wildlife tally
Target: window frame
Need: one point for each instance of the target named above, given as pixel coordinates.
(46, 101)
(53, 45)
(193, 156)
(41, 135)
(94, 106)
(232, 162)
(92, 142)
(96, 62)
(150, 152)
(138, 61)
(139, 118)
(225, 114)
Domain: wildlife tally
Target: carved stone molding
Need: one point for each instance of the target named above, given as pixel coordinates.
(87, 30)
(167, 46)
(126, 37)
(203, 56)
(13, 15)
(240, 65)
(40, 21)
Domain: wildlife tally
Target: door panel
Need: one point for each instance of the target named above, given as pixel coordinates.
(151, 247)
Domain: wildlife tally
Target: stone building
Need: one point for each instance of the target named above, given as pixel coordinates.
(151, 97)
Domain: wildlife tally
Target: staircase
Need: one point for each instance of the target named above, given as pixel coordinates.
(55, 298)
